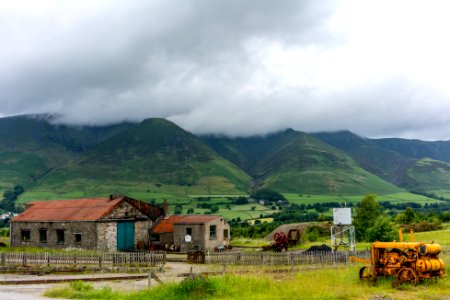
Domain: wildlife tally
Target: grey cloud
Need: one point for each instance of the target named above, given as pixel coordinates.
(200, 64)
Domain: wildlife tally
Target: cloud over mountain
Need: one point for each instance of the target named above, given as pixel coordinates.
(232, 67)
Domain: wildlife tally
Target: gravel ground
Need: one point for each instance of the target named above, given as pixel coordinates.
(34, 291)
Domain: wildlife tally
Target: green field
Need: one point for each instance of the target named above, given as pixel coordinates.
(177, 195)
(337, 283)
(393, 198)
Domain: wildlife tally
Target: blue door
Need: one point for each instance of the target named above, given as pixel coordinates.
(125, 236)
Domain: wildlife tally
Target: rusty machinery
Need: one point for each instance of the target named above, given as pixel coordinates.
(409, 262)
(281, 240)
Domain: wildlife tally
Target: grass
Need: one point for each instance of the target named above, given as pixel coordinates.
(393, 198)
(339, 283)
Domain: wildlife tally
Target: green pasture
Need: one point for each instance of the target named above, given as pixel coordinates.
(393, 198)
(260, 283)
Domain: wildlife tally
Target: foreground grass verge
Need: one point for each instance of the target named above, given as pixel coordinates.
(342, 283)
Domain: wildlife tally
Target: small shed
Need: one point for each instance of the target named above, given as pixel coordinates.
(104, 224)
(185, 232)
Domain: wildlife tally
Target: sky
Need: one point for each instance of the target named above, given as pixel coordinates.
(378, 68)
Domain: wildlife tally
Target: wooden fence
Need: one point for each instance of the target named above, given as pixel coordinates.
(137, 259)
(292, 258)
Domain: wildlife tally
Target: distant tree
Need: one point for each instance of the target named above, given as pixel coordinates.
(253, 208)
(366, 214)
(267, 194)
(214, 209)
(190, 211)
(178, 210)
(241, 200)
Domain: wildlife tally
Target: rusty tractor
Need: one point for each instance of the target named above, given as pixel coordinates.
(409, 262)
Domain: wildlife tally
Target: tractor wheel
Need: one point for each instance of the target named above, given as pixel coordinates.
(408, 275)
(368, 274)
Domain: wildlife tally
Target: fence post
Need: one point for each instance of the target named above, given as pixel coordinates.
(24, 259)
(149, 278)
(100, 261)
(3, 259)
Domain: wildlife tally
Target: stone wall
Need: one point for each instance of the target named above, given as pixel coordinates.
(201, 235)
(87, 230)
(141, 232)
(107, 236)
(125, 211)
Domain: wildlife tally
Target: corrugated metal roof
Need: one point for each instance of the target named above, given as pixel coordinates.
(87, 209)
(166, 225)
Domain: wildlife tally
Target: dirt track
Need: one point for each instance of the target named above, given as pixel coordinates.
(171, 273)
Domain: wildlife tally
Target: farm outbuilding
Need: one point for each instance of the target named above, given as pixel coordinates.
(186, 232)
(103, 224)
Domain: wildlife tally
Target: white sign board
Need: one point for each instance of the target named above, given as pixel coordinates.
(342, 216)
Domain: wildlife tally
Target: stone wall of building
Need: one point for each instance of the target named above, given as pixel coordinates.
(107, 236)
(125, 211)
(201, 235)
(86, 232)
(198, 232)
(219, 240)
(141, 232)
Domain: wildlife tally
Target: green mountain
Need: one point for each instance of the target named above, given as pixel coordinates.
(31, 146)
(383, 162)
(153, 153)
(428, 175)
(439, 150)
(296, 162)
(400, 168)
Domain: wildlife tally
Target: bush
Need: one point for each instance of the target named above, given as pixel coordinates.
(382, 230)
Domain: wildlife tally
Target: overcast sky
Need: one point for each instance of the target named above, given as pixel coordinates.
(378, 68)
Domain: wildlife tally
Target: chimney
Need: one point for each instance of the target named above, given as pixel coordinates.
(165, 208)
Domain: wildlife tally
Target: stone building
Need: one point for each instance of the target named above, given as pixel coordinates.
(103, 224)
(185, 232)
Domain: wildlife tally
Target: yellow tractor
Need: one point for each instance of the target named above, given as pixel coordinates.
(410, 262)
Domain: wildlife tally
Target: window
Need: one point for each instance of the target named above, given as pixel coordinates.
(225, 234)
(25, 235)
(60, 236)
(212, 232)
(189, 231)
(77, 238)
(155, 237)
(43, 235)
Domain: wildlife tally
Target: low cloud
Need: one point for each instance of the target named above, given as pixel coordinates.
(232, 67)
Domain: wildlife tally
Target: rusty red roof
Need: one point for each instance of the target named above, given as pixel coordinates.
(87, 209)
(166, 225)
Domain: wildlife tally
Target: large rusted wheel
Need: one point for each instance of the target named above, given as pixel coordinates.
(368, 274)
(408, 275)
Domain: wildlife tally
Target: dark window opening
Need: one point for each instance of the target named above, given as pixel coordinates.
(25, 235)
(43, 235)
(60, 236)
(77, 238)
(155, 237)
(225, 234)
(189, 231)
(212, 232)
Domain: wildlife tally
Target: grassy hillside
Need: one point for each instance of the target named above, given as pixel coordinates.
(155, 153)
(383, 162)
(295, 162)
(427, 175)
(31, 146)
(405, 169)
(438, 150)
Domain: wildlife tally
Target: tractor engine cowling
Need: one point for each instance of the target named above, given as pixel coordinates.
(430, 265)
